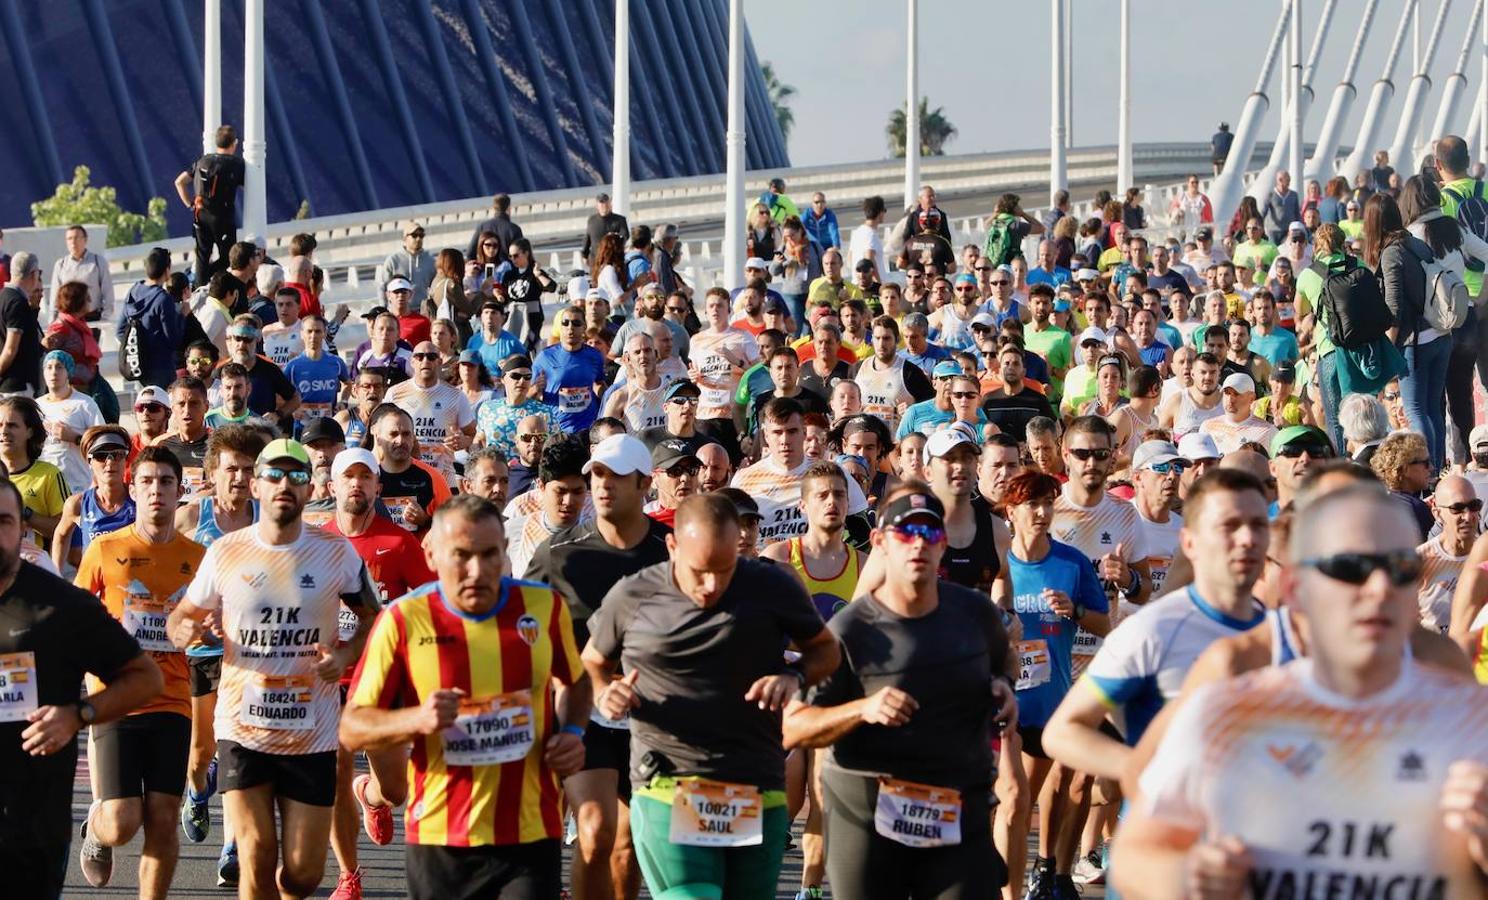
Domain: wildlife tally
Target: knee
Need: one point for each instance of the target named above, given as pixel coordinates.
(596, 830)
(116, 822)
(301, 878)
(160, 828)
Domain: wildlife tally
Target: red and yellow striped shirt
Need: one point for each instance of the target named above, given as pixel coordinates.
(421, 644)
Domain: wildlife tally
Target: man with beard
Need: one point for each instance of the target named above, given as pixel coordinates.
(581, 564)
(395, 561)
(443, 422)
(1187, 409)
(675, 471)
(1011, 406)
(411, 489)
(486, 475)
(720, 355)
(717, 469)
(278, 587)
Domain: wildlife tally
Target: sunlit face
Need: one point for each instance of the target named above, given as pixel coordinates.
(1095, 468)
(313, 334)
(199, 365)
(703, 563)
(486, 478)
(785, 372)
(563, 499)
(824, 502)
(996, 468)
(394, 439)
(235, 390)
(189, 409)
(785, 440)
(468, 555)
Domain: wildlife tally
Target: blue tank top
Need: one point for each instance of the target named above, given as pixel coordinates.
(356, 429)
(1283, 640)
(207, 529)
(94, 520)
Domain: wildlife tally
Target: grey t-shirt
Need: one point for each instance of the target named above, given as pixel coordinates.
(696, 664)
(944, 660)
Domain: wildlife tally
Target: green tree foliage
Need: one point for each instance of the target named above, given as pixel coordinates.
(78, 201)
(935, 130)
(780, 95)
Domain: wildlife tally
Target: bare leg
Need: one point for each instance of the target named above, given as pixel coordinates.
(1077, 807)
(1010, 822)
(594, 797)
(307, 830)
(346, 825)
(157, 865)
(625, 874)
(258, 841)
(813, 848)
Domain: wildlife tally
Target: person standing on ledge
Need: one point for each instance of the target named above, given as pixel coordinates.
(214, 181)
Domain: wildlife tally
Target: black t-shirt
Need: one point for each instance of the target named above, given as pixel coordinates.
(813, 382)
(975, 565)
(582, 567)
(1011, 413)
(523, 287)
(941, 253)
(68, 632)
(190, 454)
(24, 373)
(216, 178)
(267, 381)
(945, 660)
(411, 482)
(696, 665)
(520, 478)
(653, 436)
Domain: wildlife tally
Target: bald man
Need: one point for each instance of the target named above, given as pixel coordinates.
(704, 685)
(717, 469)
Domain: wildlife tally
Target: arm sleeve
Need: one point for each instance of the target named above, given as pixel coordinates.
(1393, 268)
(1088, 590)
(606, 626)
(798, 616)
(842, 686)
(1122, 666)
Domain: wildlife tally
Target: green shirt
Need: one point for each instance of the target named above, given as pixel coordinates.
(1354, 230)
(1080, 388)
(1256, 256)
(1310, 287)
(1055, 346)
(1462, 187)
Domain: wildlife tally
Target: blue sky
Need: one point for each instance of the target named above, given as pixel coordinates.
(986, 62)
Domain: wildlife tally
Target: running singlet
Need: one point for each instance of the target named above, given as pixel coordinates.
(277, 603)
(1044, 655)
(1277, 761)
(1162, 547)
(644, 409)
(481, 782)
(827, 594)
(1438, 582)
(1228, 435)
(1284, 644)
(207, 531)
(94, 521)
(720, 358)
(1143, 663)
(777, 490)
(140, 582)
(438, 412)
(975, 565)
(1096, 531)
(1189, 416)
(883, 390)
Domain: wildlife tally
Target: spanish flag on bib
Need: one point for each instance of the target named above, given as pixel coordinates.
(482, 782)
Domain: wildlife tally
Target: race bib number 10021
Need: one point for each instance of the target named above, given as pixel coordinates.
(717, 814)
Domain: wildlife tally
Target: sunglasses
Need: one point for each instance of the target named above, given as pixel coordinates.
(1316, 451)
(572, 323)
(1472, 506)
(996, 282)
(151, 407)
(532, 438)
(1391, 396)
(683, 469)
(519, 376)
(683, 401)
(1087, 453)
(1167, 468)
(426, 356)
(296, 477)
(106, 455)
(967, 289)
(965, 395)
(677, 309)
(490, 244)
(1402, 566)
(908, 534)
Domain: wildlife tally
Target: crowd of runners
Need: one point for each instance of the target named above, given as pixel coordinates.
(901, 556)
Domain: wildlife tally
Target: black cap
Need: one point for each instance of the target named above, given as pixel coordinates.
(669, 452)
(494, 304)
(375, 311)
(514, 362)
(775, 305)
(907, 506)
(745, 506)
(1204, 232)
(602, 197)
(1285, 372)
(864, 265)
(323, 429)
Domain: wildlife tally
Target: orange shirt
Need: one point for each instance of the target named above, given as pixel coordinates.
(140, 582)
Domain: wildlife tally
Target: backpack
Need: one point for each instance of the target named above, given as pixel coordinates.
(132, 350)
(1472, 215)
(1001, 244)
(1354, 304)
(1447, 299)
(206, 180)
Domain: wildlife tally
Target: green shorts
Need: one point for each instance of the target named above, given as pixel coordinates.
(681, 872)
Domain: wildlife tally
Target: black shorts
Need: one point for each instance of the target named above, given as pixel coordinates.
(609, 748)
(206, 671)
(1033, 737)
(308, 778)
(511, 872)
(142, 754)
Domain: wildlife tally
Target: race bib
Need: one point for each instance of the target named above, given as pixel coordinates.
(17, 686)
(308, 411)
(918, 815)
(716, 814)
(144, 618)
(347, 623)
(192, 479)
(713, 398)
(398, 507)
(491, 732)
(1086, 643)
(574, 399)
(1033, 664)
(280, 702)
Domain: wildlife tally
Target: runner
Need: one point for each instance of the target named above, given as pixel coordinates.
(317, 374)
(485, 818)
(639, 400)
(230, 507)
(910, 720)
(367, 390)
(188, 435)
(1157, 468)
(443, 422)
(567, 373)
(56, 633)
(704, 682)
(1355, 577)
(234, 388)
(1458, 512)
(1185, 409)
(138, 764)
(563, 500)
(411, 488)
(277, 587)
(106, 506)
(582, 563)
(889, 386)
(822, 548)
(486, 475)
(1056, 594)
(720, 355)
(395, 561)
(676, 471)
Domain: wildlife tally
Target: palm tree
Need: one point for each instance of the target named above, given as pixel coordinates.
(780, 95)
(935, 130)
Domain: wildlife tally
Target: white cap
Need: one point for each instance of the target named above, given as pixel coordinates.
(1297, 226)
(354, 456)
(1476, 438)
(1198, 445)
(1094, 334)
(949, 438)
(1238, 382)
(1086, 275)
(622, 454)
(578, 287)
(754, 262)
(152, 394)
(1154, 453)
(399, 284)
(595, 293)
(984, 319)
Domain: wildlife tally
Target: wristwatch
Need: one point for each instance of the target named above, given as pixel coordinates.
(86, 712)
(1079, 612)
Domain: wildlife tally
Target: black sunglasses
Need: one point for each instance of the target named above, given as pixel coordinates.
(1473, 506)
(1085, 453)
(1402, 566)
(1316, 451)
(426, 356)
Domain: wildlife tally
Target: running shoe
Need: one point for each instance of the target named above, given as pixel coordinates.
(1090, 870)
(1040, 885)
(348, 886)
(810, 893)
(1064, 888)
(227, 866)
(96, 860)
(377, 820)
(196, 819)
